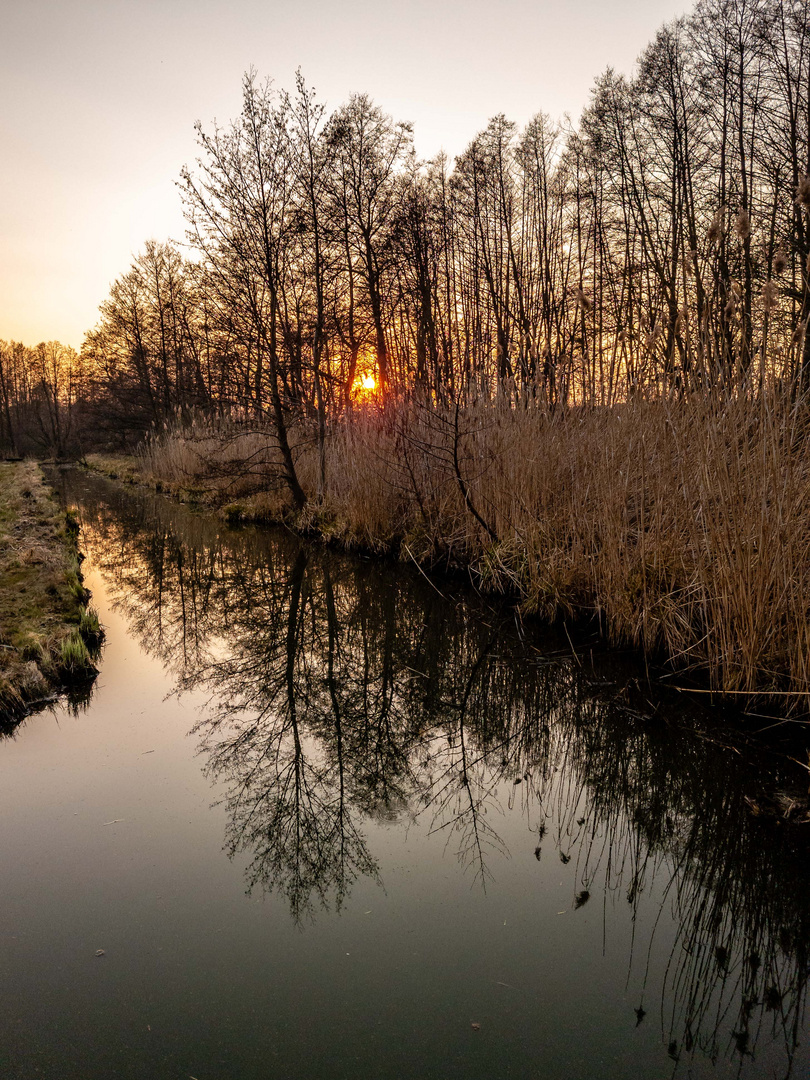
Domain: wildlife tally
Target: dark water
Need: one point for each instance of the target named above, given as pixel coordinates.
(326, 822)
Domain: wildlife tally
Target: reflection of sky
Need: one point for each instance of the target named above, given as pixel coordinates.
(99, 101)
(200, 979)
(114, 824)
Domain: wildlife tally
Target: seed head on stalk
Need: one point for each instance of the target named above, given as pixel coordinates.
(770, 296)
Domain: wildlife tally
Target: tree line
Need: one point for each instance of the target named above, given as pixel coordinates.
(662, 245)
(45, 398)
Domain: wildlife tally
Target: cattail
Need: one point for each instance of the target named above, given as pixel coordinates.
(623, 337)
(803, 192)
(654, 334)
(583, 300)
(716, 228)
(736, 288)
(770, 296)
(743, 225)
(730, 310)
(644, 320)
(780, 261)
(798, 333)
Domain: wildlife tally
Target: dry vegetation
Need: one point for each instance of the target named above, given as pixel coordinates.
(48, 635)
(681, 524)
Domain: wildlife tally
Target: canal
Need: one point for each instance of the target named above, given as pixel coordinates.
(321, 817)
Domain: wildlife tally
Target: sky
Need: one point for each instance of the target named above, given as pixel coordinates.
(100, 97)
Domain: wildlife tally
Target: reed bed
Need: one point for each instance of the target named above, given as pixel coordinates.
(682, 524)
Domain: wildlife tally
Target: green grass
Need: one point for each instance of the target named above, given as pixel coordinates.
(74, 657)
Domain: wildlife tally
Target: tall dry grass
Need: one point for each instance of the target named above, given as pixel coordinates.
(682, 524)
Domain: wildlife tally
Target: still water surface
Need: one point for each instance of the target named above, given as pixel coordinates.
(325, 821)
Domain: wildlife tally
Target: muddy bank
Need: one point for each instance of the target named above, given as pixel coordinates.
(49, 635)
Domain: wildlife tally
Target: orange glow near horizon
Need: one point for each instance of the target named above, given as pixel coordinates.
(365, 385)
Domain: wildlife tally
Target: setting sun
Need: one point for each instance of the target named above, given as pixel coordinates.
(369, 382)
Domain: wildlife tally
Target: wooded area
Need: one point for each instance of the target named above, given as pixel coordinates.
(661, 247)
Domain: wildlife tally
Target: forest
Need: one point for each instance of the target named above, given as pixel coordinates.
(575, 359)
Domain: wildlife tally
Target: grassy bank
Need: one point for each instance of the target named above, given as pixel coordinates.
(48, 634)
(682, 525)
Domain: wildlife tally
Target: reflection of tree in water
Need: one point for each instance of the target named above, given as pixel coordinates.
(287, 799)
(646, 801)
(340, 691)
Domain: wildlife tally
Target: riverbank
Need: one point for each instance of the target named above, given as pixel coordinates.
(49, 635)
(680, 527)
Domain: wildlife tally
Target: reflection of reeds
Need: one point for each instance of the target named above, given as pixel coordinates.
(735, 891)
(682, 524)
(341, 692)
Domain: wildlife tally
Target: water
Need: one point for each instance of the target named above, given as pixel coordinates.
(325, 821)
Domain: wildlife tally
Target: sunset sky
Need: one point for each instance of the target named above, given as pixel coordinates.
(100, 99)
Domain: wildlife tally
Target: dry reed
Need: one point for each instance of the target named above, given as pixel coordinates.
(681, 524)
